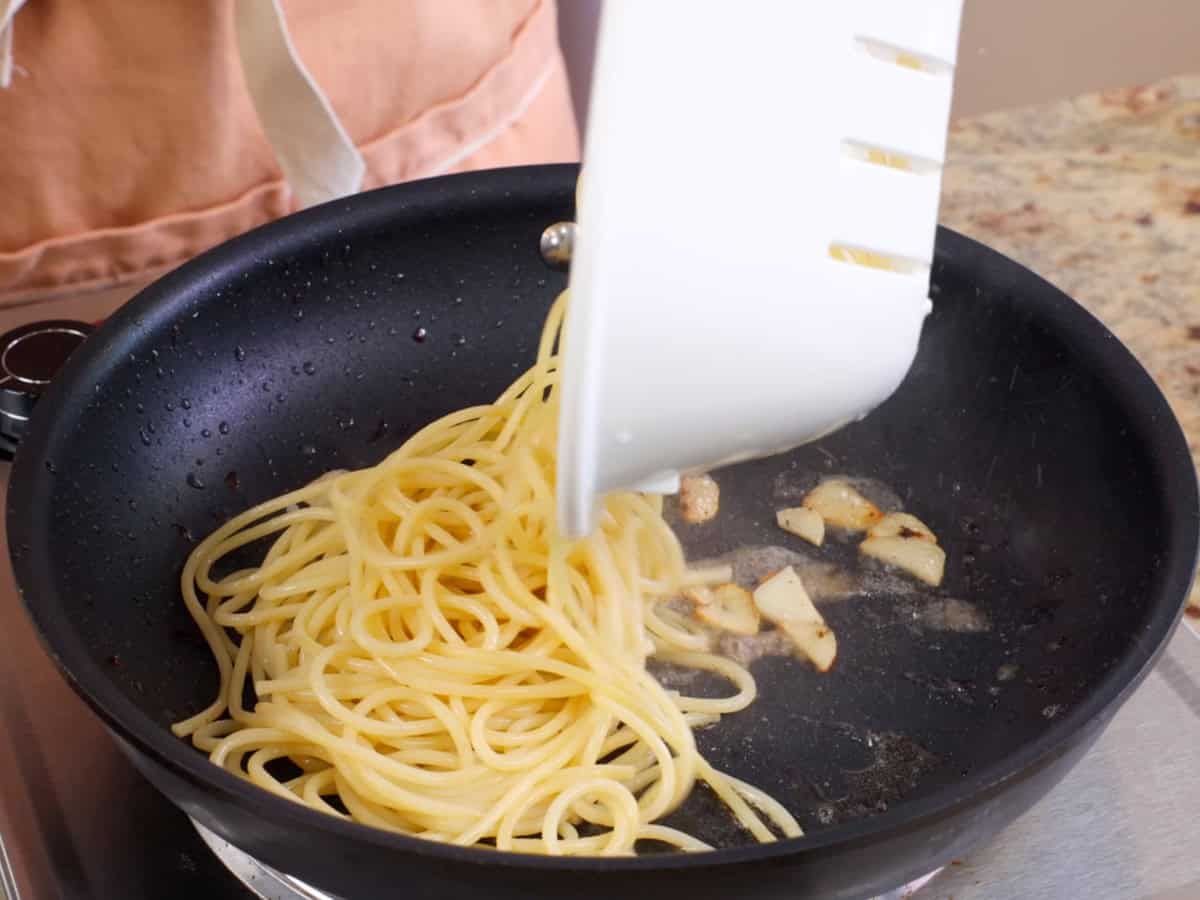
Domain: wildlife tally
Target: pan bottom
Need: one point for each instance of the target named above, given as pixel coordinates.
(269, 884)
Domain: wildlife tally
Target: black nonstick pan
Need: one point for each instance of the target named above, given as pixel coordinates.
(1025, 434)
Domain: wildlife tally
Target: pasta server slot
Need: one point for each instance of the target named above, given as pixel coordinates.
(750, 268)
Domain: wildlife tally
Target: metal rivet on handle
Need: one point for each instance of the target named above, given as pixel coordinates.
(557, 243)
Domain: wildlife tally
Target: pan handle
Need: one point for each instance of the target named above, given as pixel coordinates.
(30, 357)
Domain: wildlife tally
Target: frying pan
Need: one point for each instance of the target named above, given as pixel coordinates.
(1025, 434)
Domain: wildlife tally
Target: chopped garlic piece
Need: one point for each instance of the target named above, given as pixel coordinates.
(817, 642)
(699, 498)
(916, 555)
(783, 599)
(802, 522)
(904, 525)
(730, 607)
(841, 505)
(708, 575)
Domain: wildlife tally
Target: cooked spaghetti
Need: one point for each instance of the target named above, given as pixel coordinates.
(430, 658)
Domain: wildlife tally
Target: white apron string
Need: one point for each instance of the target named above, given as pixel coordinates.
(8, 14)
(317, 157)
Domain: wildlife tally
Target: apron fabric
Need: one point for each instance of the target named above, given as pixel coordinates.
(130, 138)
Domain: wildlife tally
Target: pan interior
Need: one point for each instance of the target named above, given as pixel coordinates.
(274, 361)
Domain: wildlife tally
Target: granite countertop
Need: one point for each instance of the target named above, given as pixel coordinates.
(1100, 194)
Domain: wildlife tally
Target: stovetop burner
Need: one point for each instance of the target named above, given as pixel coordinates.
(270, 884)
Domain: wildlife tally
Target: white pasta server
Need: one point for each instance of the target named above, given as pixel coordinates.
(756, 224)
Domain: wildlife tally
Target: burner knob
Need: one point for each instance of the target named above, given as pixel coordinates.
(30, 356)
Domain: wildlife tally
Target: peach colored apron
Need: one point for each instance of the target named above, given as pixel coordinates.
(137, 133)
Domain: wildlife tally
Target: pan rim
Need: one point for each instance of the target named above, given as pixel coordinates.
(165, 300)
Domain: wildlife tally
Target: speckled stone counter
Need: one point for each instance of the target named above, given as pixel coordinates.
(1100, 194)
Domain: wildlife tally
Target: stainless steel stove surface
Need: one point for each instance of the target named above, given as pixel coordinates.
(77, 821)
